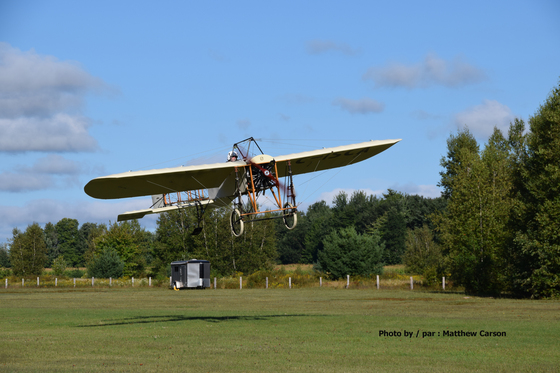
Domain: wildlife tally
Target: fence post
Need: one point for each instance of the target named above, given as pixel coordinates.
(92, 281)
(377, 282)
(56, 282)
(22, 282)
(170, 283)
(150, 282)
(266, 282)
(74, 281)
(110, 281)
(320, 281)
(443, 283)
(290, 280)
(240, 282)
(411, 286)
(347, 281)
(6, 283)
(215, 283)
(37, 281)
(133, 281)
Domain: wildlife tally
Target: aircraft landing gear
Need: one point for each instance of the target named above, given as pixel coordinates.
(236, 223)
(289, 216)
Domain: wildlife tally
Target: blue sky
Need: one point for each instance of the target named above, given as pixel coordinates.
(93, 88)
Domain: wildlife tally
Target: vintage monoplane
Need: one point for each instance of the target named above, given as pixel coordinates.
(245, 177)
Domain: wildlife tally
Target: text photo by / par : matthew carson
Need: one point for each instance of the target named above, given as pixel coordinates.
(444, 333)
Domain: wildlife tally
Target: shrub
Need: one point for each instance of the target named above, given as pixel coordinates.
(106, 264)
(423, 256)
(5, 272)
(74, 273)
(59, 265)
(348, 253)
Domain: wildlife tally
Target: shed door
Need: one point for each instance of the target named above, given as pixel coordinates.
(183, 272)
(193, 275)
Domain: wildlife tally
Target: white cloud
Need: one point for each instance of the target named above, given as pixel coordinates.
(55, 164)
(40, 103)
(24, 182)
(58, 133)
(481, 119)
(432, 71)
(321, 46)
(363, 106)
(40, 176)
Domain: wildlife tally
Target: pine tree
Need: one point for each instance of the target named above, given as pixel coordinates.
(348, 253)
(105, 264)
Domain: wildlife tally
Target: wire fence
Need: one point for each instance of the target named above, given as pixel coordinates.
(249, 282)
(65, 282)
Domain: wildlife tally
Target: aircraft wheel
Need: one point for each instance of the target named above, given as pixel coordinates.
(236, 223)
(290, 216)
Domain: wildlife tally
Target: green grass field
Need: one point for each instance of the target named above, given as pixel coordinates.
(278, 330)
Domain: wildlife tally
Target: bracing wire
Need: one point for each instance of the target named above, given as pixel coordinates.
(332, 177)
(183, 157)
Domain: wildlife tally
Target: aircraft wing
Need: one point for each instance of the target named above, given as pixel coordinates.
(326, 158)
(221, 175)
(139, 214)
(167, 180)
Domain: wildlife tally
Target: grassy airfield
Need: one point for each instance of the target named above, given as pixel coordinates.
(279, 330)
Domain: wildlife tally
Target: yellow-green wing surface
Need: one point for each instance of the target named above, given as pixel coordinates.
(327, 158)
(166, 180)
(177, 179)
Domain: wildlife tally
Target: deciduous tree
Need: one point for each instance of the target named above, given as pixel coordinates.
(127, 239)
(537, 238)
(68, 241)
(51, 240)
(423, 255)
(474, 227)
(28, 252)
(463, 141)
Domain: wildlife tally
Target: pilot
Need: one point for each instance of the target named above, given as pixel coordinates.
(232, 156)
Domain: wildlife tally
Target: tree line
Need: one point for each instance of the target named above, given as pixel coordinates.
(362, 231)
(127, 249)
(495, 229)
(501, 229)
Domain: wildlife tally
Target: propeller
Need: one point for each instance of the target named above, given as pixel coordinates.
(266, 178)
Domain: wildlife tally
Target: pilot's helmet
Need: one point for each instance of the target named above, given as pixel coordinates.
(232, 154)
